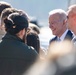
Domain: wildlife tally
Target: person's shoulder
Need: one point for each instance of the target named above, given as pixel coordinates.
(69, 35)
(70, 32)
(53, 39)
(30, 49)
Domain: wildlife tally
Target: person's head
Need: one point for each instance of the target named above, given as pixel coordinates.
(5, 13)
(71, 18)
(57, 21)
(4, 5)
(33, 40)
(34, 28)
(16, 24)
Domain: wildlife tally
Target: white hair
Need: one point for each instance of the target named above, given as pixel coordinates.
(62, 13)
(72, 9)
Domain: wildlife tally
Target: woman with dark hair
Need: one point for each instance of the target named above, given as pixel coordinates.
(33, 40)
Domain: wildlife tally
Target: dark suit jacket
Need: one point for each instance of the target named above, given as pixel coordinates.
(68, 36)
(15, 56)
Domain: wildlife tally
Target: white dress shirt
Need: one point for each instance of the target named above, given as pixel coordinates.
(63, 35)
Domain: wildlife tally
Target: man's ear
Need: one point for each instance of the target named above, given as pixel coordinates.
(21, 33)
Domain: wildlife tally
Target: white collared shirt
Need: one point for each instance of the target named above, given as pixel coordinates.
(63, 35)
(74, 38)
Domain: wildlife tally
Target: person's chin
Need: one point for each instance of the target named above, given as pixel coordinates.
(54, 33)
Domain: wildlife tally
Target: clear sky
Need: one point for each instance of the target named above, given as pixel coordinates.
(39, 8)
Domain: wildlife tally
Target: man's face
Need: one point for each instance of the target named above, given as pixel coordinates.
(71, 22)
(56, 25)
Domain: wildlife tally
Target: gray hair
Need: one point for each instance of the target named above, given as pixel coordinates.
(72, 9)
(62, 13)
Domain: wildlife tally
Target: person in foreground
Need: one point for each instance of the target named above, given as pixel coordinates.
(15, 56)
(72, 20)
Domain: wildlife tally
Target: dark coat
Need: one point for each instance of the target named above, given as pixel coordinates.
(15, 56)
(68, 36)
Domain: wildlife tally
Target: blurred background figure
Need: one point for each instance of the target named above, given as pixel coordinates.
(58, 23)
(62, 53)
(3, 5)
(34, 40)
(5, 13)
(33, 20)
(34, 27)
(59, 53)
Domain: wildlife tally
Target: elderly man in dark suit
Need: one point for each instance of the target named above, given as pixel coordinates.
(58, 25)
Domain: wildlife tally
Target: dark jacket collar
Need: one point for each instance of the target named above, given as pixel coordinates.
(11, 37)
(69, 35)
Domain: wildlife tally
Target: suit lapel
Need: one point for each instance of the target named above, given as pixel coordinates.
(69, 35)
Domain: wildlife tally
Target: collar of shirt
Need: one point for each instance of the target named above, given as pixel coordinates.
(74, 38)
(63, 35)
(74, 35)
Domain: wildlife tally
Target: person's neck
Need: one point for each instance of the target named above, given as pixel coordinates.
(74, 31)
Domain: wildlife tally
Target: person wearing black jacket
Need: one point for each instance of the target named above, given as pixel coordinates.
(15, 56)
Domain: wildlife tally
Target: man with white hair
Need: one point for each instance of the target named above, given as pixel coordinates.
(58, 25)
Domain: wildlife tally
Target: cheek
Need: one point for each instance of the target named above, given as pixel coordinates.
(59, 28)
(69, 22)
(49, 26)
(69, 26)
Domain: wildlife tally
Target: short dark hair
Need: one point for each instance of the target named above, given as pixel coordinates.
(15, 22)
